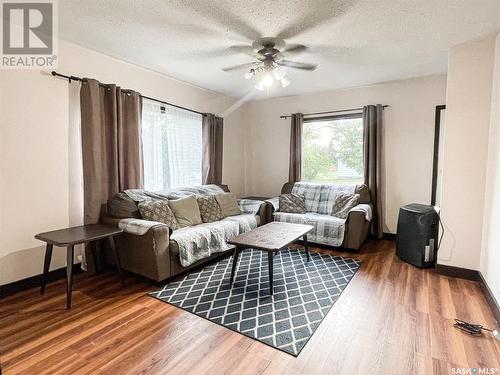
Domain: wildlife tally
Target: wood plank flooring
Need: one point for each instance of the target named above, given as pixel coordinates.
(391, 319)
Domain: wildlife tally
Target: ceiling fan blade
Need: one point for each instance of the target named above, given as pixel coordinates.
(294, 49)
(247, 50)
(240, 66)
(311, 18)
(296, 65)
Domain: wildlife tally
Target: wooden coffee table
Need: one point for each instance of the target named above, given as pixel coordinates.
(272, 238)
(68, 238)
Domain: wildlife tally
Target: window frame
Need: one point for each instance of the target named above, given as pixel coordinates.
(311, 119)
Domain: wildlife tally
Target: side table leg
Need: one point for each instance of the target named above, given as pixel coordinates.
(93, 247)
(116, 258)
(306, 246)
(270, 258)
(46, 266)
(69, 275)
(236, 254)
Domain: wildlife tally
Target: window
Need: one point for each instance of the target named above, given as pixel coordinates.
(172, 146)
(332, 150)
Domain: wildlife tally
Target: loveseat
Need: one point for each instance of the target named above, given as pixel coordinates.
(348, 233)
(147, 248)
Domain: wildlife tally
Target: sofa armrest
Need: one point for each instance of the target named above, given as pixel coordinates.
(148, 254)
(255, 207)
(356, 229)
(272, 206)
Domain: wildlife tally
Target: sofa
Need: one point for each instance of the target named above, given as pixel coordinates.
(355, 228)
(151, 252)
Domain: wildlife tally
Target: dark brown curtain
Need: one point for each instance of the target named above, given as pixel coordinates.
(295, 164)
(212, 136)
(372, 154)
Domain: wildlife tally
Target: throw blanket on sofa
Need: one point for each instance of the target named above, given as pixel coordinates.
(320, 198)
(203, 240)
(139, 195)
(328, 230)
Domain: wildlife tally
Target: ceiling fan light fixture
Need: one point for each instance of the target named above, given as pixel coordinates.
(250, 74)
(267, 80)
(259, 86)
(285, 81)
(279, 73)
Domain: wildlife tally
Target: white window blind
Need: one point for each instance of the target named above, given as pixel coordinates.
(172, 146)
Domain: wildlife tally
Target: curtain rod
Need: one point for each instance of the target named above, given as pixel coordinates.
(328, 112)
(74, 78)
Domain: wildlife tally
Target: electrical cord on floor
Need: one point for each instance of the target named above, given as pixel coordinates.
(474, 329)
(442, 232)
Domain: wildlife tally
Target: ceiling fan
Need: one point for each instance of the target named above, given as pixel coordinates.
(270, 54)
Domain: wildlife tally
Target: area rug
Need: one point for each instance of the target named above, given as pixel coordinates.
(304, 292)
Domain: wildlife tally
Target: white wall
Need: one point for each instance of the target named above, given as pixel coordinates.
(34, 135)
(468, 104)
(490, 253)
(408, 137)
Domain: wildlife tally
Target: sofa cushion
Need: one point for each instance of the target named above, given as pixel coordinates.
(246, 222)
(158, 211)
(209, 208)
(122, 206)
(293, 203)
(343, 204)
(186, 211)
(228, 204)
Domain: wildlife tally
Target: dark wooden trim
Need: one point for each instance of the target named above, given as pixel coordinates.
(35, 281)
(490, 298)
(458, 272)
(389, 236)
(437, 129)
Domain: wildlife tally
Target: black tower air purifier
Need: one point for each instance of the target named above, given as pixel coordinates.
(417, 237)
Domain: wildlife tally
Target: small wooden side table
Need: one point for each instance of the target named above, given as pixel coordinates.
(68, 238)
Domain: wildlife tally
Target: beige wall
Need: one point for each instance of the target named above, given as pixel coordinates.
(34, 135)
(490, 253)
(408, 137)
(468, 103)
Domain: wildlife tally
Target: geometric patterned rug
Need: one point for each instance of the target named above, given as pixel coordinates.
(304, 292)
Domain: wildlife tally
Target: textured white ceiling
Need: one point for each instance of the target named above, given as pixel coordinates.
(354, 42)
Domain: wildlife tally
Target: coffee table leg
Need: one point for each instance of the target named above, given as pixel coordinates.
(93, 247)
(46, 266)
(306, 246)
(69, 275)
(117, 258)
(270, 258)
(237, 252)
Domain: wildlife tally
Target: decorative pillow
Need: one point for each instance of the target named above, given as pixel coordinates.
(228, 204)
(209, 209)
(293, 203)
(186, 211)
(158, 211)
(343, 204)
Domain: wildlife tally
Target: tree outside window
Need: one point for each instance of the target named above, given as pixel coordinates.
(332, 151)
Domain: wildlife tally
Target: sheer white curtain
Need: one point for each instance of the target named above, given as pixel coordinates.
(172, 146)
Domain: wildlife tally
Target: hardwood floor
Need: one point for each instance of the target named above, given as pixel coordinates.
(391, 319)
